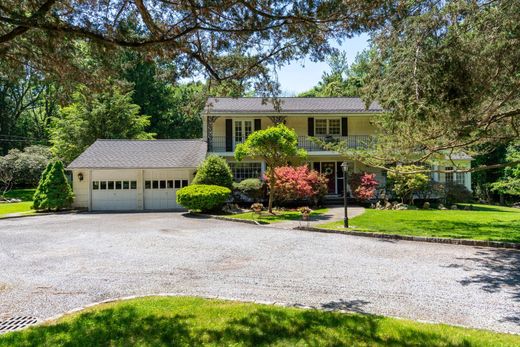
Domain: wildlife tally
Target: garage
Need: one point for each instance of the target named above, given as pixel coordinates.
(114, 190)
(133, 175)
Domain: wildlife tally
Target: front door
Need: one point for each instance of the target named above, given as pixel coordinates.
(329, 170)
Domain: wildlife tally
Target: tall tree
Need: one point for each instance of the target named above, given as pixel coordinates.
(342, 80)
(277, 146)
(448, 74)
(228, 40)
(106, 115)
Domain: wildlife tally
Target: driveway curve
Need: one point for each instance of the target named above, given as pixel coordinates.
(52, 264)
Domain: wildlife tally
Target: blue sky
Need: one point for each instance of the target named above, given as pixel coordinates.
(302, 75)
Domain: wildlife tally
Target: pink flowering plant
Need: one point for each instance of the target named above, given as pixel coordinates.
(298, 184)
(364, 186)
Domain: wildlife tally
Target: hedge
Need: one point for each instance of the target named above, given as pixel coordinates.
(203, 197)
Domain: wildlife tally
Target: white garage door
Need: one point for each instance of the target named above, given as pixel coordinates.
(160, 194)
(114, 191)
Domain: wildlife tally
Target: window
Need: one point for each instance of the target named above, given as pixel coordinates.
(327, 126)
(184, 183)
(170, 184)
(177, 184)
(103, 185)
(242, 128)
(155, 184)
(118, 184)
(95, 185)
(133, 184)
(110, 185)
(454, 177)
(321, 127)
(147, 184)
(241, 171)
(162, 184)
(126, 185)
(334, 127)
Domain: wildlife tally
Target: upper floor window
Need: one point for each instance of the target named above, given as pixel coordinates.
(327, 126)
(242, 129)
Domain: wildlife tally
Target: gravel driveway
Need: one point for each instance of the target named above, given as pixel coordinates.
(51, 264)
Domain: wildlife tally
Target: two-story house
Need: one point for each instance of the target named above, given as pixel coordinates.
(228, 122)
(146, 174)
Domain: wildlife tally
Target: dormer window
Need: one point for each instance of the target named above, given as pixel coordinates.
(327, 126)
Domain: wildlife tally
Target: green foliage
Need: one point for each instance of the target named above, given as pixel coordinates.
(343, 80)
(510, 181)
(214, 170)
(277, 146)
(456, 193)
(106, 115)
(405, 182)
(448, 75)
(202, 197)
(19, 168)
(188, 321)
(54, 191)
(250, 189)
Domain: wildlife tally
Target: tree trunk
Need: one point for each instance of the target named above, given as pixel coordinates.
(271, 190)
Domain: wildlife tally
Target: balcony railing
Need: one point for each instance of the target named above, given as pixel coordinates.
(353, 141)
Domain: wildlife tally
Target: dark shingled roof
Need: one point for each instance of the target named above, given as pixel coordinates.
(291, 105)
(136, 154)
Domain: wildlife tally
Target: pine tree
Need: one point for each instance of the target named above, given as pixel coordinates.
(54, 192)
(39, 194)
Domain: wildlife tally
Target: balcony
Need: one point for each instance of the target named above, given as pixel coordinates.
(353, 141)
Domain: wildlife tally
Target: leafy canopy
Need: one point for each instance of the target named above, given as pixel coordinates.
(448, 73)
(106, 115)
(277, 145)
(510, 182)
(407, 181)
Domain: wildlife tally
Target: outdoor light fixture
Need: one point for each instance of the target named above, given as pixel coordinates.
(80, 176)
(344, 167)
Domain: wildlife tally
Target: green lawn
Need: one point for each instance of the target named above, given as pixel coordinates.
(186, 321)
(18, 207)
(279, 216)
(23, 194)
(485, 222)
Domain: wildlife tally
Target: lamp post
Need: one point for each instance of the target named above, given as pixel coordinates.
(344, 166)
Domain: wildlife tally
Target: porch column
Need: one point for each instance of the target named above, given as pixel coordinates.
(209, 131)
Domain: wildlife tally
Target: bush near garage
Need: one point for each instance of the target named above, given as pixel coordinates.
(203, 197)
(248, 191)
(54, 191)
(214, 170)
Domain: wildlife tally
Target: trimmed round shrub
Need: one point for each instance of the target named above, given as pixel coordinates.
(214, 171)
(203, 197)
(248, 190)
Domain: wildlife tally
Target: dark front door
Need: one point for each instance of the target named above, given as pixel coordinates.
(329, 170)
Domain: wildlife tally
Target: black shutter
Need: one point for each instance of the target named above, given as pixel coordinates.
(344, 126)
(316, 165)
(229, 135)
(258, 124)
(310, 126)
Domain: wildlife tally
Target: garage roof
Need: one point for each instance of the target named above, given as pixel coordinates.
(291, 105)
(141, 154)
